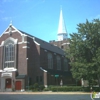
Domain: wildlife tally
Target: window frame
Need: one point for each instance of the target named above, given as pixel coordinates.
(9, 49)
(50, 61)
(65, 65)
(58, 63)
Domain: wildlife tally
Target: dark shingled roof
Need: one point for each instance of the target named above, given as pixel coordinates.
(45, 45)
(20, 77)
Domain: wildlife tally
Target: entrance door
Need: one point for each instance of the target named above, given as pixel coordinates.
(18, 85)
(8, 83)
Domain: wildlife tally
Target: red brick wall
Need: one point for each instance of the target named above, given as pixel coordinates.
(1, 50)
(22, 62)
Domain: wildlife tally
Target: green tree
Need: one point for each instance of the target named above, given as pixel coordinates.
(84, 51)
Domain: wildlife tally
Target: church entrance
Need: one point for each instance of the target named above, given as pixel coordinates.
(18, 85)
(8, 83)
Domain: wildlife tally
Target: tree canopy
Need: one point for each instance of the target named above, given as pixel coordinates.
(84, 51)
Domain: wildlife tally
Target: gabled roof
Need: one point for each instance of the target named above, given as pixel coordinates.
(12, 29)
(20, 76)
(45, 45)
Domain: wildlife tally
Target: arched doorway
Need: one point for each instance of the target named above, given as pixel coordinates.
(8, 83)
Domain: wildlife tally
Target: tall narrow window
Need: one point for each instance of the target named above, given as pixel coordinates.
(41, 78)
(50, 61)
(37, 79)
(65, 65)
(58, 63)
(9, 54)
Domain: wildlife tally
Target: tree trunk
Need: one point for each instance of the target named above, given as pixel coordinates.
(89, 83)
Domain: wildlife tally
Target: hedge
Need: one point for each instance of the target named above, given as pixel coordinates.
(37, 87)
(65, 88)
(72, 88)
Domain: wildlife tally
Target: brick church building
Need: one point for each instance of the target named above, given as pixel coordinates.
(26, 59)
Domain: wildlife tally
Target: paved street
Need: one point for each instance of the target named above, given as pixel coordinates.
(45, 97)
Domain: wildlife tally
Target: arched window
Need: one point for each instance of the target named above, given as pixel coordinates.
(65, 65)
(9, 54)
(58, 63)
(50, 61)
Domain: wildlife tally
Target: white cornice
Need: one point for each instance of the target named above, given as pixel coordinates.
(24, 42)
(16, 30)
(11, 31)
(36, 42)
(2, 44)
(4, 31)
(20, 42)
(43, 69)
(12, 39)
(64, 44)
(25, 47)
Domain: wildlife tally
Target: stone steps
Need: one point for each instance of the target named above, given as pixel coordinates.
(8, 90)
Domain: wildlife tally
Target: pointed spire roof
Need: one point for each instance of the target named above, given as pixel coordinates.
(62, 26)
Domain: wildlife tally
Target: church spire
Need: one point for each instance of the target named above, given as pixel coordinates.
(62, 33)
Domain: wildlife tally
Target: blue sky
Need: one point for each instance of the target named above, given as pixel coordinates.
(40, 18)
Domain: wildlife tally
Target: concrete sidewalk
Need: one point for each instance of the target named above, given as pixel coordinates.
(48, 92)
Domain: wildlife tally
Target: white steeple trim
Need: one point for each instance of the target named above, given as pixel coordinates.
(62, 33)
(62, 27)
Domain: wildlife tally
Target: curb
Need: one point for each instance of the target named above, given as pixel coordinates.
(69, 93)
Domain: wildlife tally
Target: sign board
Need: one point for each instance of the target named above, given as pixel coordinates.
(56, 75)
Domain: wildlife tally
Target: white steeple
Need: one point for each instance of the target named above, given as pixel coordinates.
(62, 33)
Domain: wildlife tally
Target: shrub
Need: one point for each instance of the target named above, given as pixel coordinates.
(72, 88)
(87, 89)
(46, 89)
(31, 87)
(36, 86)
(66, 88)
(41, 87)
